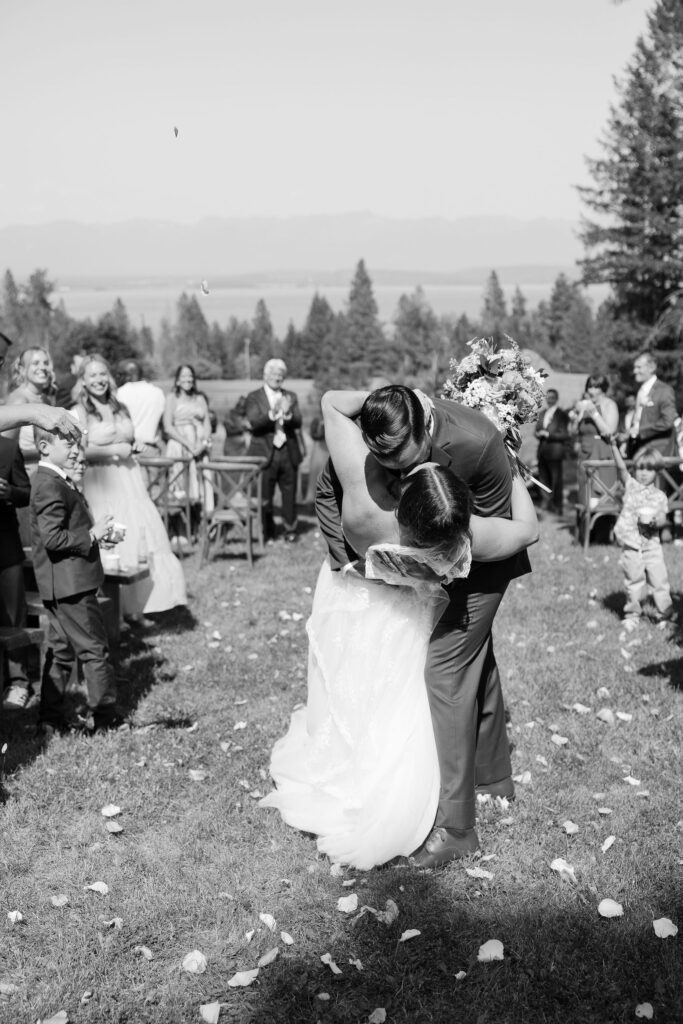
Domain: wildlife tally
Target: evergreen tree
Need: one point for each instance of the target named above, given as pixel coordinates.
(635, 241)
(365, 344)
(333, 368)
(418, 341)
(494, 317)
(519, 326)
(263, 344)
(319, 324)
(291, 351)
(237, 342)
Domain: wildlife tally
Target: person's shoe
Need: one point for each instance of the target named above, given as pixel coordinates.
(504, 787)
(15, 698)
(443, 846)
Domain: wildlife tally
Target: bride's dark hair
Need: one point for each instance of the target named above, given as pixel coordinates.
(435, 508)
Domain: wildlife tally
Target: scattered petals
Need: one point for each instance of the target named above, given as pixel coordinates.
(239, 725)
(664, 928)
(570, 827)
(349, 881)
(610, 908)
(101, 887)
(15, 916)
(564, 869)
(287, 938)
(389, 915)
(645, 1010)
(268, 920)
(558, 740)
(59, 901)
(606, 715)
(268, 957)
(197, 774)
(324, 996)
(113, 827)
(410, 933)
(58, 1018)
(624, 716)
(378, 1016)
(144, 951)
(602, 693)
(243, 978)
(580, 709)
(210, 1012)
(347, 904)
(610, 841)
(461, 975)
(356, 963)
(478, 873)
(326, 958)
(524, 779)
(336, 870)
(110, 811)
(87, 996)
(604, 811)
(631, 781)
(248, 936)
(195, 962)
(491, 950)
(542, 760)
(116, 923)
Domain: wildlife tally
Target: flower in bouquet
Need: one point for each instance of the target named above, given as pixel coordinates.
(502, 384)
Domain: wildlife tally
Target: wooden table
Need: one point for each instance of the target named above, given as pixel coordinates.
(114, 579)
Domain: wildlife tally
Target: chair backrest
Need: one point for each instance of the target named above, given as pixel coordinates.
(234, 480)
(164, 476)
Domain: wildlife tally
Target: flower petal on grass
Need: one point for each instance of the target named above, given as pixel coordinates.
(524, 778)
(389, 914)
(610, 908)
(60, 1017)
(570, 827)
(210, 1012)
(7, 989)
(268, 957)
(608, 843)
(243, 978)
(326, 958)
(194, 962)
(664, 928)
(606, 715)
(564, 869)
(101, 887)
(287, 938)
(239, 725)
(602, 693)
(604, 811)
(197, 774)
(248, 936)
(461, 975)
(645, 1010)
(268, 920)
(410, 933)
(478, 873)
(624, 716)
(116, 923)
(349, 881)
(580, 709)
(15, 916)
(631, 781)
(336, 870)
(491, 950)
(356, 963)
(324, 996)
(378, 1016)
(144, 951)
(60, 900)
(558, 740)
(110, 811)
(347, 904)
(113, 827)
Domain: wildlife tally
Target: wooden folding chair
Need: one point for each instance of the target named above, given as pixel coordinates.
(168, 485)
(251, 461)
(235, 484)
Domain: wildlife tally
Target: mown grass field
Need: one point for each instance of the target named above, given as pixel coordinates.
(198, 861)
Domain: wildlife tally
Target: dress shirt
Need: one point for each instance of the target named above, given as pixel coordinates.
(548, 415)
(145, 402)
(58, 470)
(641, 399)
(274, 398)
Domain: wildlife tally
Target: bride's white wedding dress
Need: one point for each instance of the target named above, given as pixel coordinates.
(358, 765)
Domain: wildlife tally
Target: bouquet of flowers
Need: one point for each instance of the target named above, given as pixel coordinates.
(503, 385)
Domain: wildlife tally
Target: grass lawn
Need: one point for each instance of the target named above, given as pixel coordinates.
(197, 861)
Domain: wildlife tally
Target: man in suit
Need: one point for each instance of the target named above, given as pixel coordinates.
(463, 682)
(68, 570)
(15, 490)
(274, 418)
(552, 431)
(655, 412)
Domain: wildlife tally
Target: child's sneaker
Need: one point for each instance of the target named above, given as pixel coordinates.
(15, 698)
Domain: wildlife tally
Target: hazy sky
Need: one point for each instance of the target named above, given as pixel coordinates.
(401, 107)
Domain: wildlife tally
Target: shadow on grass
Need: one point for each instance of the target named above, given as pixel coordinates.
(672, 669)
(557, 967)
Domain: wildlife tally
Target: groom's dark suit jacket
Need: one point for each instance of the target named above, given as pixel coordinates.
(466, 442)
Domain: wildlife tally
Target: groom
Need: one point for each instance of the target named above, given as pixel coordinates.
(462, 677)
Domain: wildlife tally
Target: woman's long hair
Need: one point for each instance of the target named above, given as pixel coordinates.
(19, 369)
(185, 366)
(435, 508)
(83, 396)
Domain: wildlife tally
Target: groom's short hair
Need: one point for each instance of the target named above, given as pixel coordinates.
(392, 417)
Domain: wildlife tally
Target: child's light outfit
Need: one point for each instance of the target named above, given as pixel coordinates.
(642, 559)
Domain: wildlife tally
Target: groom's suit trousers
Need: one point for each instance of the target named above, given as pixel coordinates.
(466, 701)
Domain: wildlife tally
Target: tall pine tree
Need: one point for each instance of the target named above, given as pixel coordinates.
(365, 343)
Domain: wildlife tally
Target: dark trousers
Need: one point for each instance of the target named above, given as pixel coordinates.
(13, 613)
(466, 703)
(550, 474)
(76, 630)
(279, 471)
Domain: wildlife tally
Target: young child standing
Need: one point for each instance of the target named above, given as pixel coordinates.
(642, 515)
(68, 570)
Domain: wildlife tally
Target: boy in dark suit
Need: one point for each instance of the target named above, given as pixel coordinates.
(68, 570)
(552, 431)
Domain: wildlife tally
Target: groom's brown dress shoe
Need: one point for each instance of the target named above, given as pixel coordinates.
(504, 787)
(445, 845)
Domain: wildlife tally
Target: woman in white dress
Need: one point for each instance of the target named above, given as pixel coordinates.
(113, 483)
(358, 766)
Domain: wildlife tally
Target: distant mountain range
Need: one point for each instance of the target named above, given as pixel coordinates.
(322, 247)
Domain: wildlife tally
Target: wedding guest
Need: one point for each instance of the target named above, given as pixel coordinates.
(187, 426)
(68, 569)
(114, 483)
(274, 417)
(15, 490)
(66, 382)
(655, 411)
(13, 417)
(552, 431)
(145, 403)
(31, 380)
(642, 515)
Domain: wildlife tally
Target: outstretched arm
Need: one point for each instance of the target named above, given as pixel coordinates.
(344, 439)
(494, 538)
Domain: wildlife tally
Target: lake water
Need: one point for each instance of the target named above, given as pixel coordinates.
(150, 303)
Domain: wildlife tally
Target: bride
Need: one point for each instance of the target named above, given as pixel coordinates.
(358, 765)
